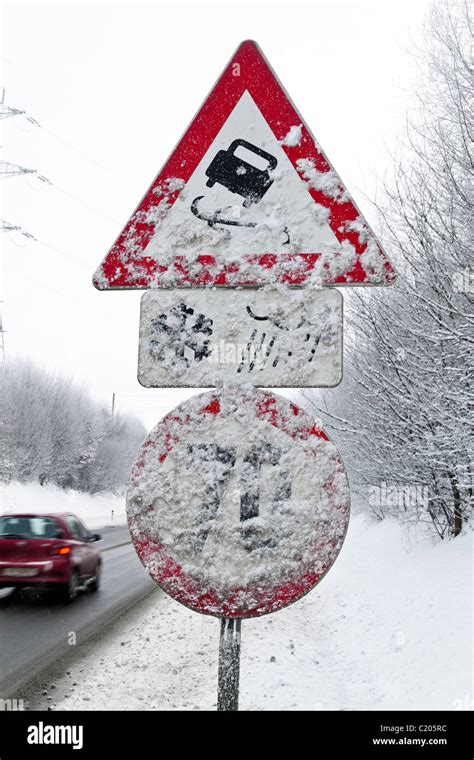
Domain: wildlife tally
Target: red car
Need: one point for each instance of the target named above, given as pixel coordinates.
(48, 551)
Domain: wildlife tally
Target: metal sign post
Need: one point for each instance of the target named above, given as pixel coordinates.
(229, 665)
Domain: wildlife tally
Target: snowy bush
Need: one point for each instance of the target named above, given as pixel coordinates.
(51, 431)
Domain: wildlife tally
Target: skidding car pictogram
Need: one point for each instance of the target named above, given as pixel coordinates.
(238, 175)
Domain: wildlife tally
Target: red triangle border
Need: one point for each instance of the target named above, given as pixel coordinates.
(127, 267)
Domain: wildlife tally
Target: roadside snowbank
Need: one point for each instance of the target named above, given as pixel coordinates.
(388, 628)
(96, 511)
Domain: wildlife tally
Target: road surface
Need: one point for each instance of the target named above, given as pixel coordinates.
(36, 632)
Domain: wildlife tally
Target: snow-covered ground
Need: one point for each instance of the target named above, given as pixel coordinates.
(389, 627)
(96, 511)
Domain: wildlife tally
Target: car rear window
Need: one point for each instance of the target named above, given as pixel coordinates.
(76, 529)
(29, 527)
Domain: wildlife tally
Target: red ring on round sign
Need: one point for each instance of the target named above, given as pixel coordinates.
(243, 601)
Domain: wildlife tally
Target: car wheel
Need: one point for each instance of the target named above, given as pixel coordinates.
(69, 593)
(95, 582)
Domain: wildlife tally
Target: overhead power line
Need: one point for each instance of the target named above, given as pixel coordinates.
(8, 111)
(8, 169)
(8, 227)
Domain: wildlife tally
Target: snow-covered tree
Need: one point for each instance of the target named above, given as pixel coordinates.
(51, 431)
(405, 409)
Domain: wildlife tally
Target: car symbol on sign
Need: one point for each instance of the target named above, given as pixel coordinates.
(238, 175)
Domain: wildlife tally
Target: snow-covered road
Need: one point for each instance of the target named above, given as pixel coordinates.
(388, 628)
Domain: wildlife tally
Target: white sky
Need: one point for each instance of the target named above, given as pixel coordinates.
(114, 86)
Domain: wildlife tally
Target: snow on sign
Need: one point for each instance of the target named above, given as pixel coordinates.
(198, 338)
(238, 503)
(246, 198)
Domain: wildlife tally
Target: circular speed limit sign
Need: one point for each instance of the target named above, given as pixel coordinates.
(238, 503)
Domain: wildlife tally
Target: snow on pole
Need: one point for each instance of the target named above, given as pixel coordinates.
(229, 665)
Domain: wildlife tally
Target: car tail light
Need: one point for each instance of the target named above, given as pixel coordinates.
(62, 550)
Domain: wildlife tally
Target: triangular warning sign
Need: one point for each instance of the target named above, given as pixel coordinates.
(246, 198)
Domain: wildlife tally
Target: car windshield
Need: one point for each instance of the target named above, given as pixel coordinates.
(29, 527)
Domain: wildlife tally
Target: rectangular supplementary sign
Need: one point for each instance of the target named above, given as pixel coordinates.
(272, 338)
